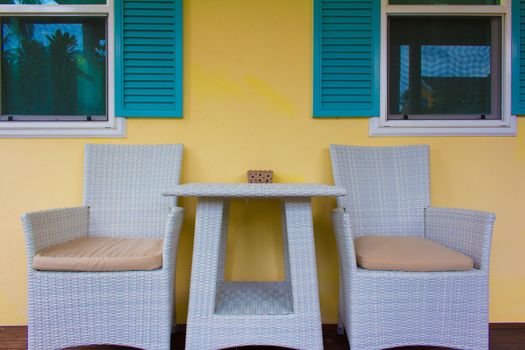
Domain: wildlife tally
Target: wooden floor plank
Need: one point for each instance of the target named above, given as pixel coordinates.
(12, 333)
(13, 345)
(506, 336)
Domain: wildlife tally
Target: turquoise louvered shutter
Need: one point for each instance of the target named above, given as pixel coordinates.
(148, 58)
(346, 58)
(518, 57)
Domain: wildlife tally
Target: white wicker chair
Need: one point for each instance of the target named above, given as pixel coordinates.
(388, 194)
(122, 198)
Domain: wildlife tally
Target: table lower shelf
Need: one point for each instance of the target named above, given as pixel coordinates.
(254, 298)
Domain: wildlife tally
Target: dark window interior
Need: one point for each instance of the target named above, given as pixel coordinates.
(444, 67)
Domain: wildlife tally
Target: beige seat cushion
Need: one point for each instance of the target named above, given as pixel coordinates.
(101, 254)
(397, 253)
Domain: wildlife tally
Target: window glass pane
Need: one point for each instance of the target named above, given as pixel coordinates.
(441, 65)
(53, 2)
(444, 2)
(54, 66)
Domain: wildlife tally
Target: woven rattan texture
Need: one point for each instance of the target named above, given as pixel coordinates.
(383, 309)
(122, 187)
(236, 190)
(254, 298)
(388, 187)
(132, 308)
(230, 314)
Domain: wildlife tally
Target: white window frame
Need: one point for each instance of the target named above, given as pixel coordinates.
(505, 127)
(112, 128)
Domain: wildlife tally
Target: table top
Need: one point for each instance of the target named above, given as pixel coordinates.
(255, 190)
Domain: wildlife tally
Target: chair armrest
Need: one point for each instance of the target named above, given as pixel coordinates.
(345, 240)
(45, 228)
(466, 231)
(171, 237)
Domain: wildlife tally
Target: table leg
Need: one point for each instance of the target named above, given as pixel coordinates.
(302, 269)
(211, 327)
(286, 254)
(207, 268)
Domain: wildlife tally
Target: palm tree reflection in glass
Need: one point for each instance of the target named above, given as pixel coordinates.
(53, 66)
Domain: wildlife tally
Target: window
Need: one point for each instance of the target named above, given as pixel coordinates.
(56, 71)
(446, 69)
(53, 68)
(420, 67)
(443, 2)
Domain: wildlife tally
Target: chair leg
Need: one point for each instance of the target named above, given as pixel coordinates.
(340, 312)
(340, 327)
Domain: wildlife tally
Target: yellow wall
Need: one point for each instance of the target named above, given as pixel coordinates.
(247, 105)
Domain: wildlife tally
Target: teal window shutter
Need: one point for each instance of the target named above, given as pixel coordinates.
(346, 58)
(148, 62)
(518, 57)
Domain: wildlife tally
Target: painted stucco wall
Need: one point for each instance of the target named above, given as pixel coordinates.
(247, 105)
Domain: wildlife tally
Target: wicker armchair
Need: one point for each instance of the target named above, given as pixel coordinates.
(122, 198)
(388, 194)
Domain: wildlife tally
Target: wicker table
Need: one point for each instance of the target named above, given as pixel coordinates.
(227, 314)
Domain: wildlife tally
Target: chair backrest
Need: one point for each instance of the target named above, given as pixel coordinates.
(123, 187)
(388, 188)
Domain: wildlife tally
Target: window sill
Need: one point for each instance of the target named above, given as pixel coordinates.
(65, 130)
(463, 128)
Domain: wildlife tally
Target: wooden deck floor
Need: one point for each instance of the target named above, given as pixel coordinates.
(507, 336)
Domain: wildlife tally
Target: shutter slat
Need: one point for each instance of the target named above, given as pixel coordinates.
(344, 84)
(346, 63)
(149, 99)
(159, 107)
(144, 34)
(346, 13)
(148, 85)
(344, 20)
(149, 92)
(518, 57)
(149, 77)
(357, 91)
(346, 41)
(149, 70)
(346, 70)
(149, 58)
(149, 41)
(347, 77)
(346, 58)
(149, 48)
(343, 49)
(346, 98)
(150, 12)
(343, 5)
(342, 106)
(347, 34)
(144, 5)
(148, 63)
(148, 27)
(166, 21)
(346, 26)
